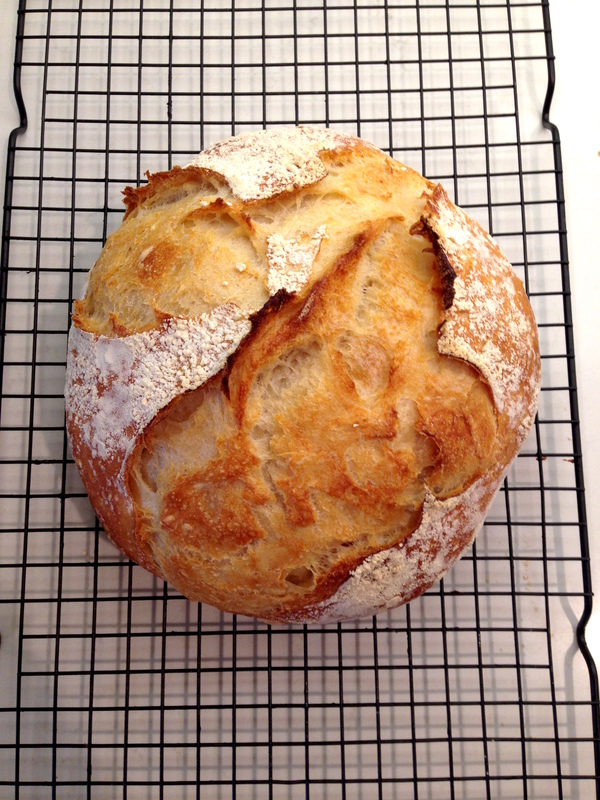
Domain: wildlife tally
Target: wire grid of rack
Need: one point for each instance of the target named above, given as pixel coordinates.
(111, 684)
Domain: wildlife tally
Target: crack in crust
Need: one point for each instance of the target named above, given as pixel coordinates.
(444, 266)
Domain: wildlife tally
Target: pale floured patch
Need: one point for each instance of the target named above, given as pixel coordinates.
(484, 324)
(116, 386)
(263, 164)
(392, 577)
(290, 261)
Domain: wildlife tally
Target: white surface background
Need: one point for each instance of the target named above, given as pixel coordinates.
(576, 111)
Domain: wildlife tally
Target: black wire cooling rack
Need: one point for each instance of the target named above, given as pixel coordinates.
(111, 684)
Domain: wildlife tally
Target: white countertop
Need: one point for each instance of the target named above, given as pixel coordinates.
(576, 111)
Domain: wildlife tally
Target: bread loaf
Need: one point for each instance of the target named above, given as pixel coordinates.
(297, 377)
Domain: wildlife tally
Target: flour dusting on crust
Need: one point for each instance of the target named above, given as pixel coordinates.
(485, 324)
(291, 260)
(263, 164)
(395, 576)
(116, 386)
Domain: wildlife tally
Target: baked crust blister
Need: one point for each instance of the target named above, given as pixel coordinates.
(297, 378)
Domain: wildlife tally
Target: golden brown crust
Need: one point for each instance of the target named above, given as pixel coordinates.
(167, 186)
(305, 386)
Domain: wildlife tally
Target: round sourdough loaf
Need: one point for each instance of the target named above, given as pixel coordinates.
(297, 377)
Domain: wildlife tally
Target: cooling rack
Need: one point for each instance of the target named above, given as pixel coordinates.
(111, 684)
